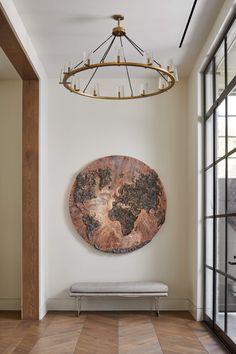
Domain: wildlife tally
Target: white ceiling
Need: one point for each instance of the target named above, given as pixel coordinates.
(7, 71)
(62, 30)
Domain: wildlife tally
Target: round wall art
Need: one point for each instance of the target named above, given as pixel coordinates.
(117, 204)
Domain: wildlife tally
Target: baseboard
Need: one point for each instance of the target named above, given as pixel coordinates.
(42, 311)
(108, 304)
(196, 312)
(117, 304)
(10, 304)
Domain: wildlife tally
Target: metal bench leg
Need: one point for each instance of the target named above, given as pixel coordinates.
(157, 305)
(78, 305)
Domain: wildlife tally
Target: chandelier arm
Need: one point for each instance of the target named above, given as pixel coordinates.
(127, 71)
(131, 42)
(94, 51)
(140, 49)
(108, 49)
(156, 62)
(76, 66)
(137, 46)
(103, 58)
(160, 72)
(102, 43)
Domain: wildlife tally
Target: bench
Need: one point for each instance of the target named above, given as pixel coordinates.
(152, 289)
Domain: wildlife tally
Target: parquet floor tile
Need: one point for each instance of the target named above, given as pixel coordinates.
(99, 335)
(137, 335)
(107, 333)
(206, 338)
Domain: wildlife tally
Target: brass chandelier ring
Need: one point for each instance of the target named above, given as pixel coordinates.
(170, 79)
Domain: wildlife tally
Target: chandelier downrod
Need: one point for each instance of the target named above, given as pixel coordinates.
(118, 31)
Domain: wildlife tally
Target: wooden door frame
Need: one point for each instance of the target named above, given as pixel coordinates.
(30, 166)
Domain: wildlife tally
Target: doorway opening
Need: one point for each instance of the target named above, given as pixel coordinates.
(12, 48)
(10, 185)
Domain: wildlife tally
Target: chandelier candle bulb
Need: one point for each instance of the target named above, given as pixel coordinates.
(142, 89)
(84, 57)
(161, 84)
(171, 64)
(118, 91)
(65, 68)
(77, 84)
(72, 64)
(74, 83)
(119, 55)
(149, 57)
(176, 74)
(97, 88)
(94, 90)
(61, 77)
(87, 58)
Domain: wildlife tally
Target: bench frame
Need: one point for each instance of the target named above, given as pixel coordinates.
(78, 297)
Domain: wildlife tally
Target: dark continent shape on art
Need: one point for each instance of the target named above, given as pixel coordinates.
(117, 204)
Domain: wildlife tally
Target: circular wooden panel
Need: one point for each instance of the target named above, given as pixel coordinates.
(117, 204)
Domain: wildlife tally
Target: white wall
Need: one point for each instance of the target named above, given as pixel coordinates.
(82, 130)
(10, 193)
(194, 133)
(17, 25)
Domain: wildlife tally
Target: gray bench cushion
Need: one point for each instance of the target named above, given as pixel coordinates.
(119, 287)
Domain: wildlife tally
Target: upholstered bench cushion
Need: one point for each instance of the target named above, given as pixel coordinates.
(119, 287)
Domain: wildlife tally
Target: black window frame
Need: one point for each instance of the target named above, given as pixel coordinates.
(211, 112)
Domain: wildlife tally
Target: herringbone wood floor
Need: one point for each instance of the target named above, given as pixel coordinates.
(107, 333)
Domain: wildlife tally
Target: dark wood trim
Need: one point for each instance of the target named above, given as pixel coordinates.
(13, 50)
(30, 264)
(30, 155)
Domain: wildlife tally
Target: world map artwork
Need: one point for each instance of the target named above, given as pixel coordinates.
(117, 204)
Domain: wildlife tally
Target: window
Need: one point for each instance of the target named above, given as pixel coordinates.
(220, 188)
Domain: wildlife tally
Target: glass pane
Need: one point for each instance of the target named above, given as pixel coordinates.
(220, 244)
(231, 319)
(209, 292)
(220, 131)
(220, 70)
(232, 184)
(231, 231)
(209, 242)
(232, 120)
(209, 141)
(209, 191)
(220, 300)
(231, 52)
(209, 86)
(220, 187)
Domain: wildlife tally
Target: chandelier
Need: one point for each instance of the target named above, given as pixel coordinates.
(73, 76)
